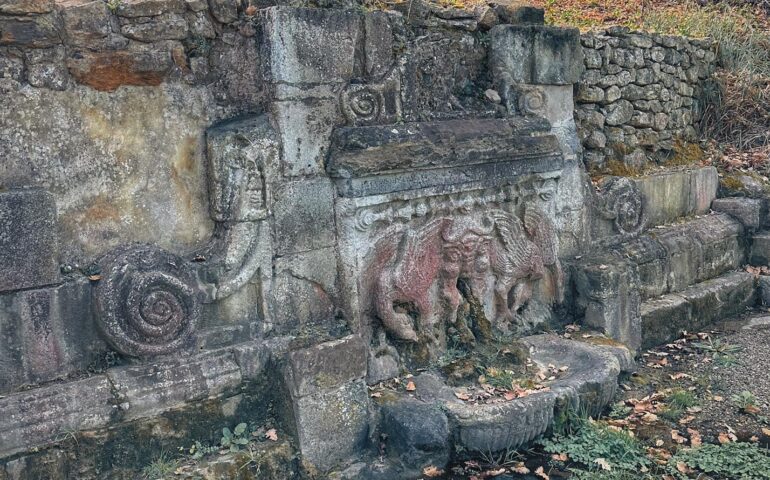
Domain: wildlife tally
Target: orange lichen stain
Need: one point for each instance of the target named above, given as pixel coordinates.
(108, 71)
(183, 169)
(101, 210)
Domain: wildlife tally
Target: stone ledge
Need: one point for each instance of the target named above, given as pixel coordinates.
(42, 416)
(700, 305)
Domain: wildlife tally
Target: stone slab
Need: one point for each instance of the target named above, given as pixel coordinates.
(293, 37)
(327, 365)
(535, 54)
(672, 195)
(149, 390)
(664, 318)
(332, 425)
(417, 433)
(749, 211)
(28, 239)
(376, 160)
(46, 334)
(41, 416)
(304, 215)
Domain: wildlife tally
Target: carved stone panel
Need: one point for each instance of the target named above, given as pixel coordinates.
(416, 260)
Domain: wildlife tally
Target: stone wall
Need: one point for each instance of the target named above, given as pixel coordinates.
(639, 94)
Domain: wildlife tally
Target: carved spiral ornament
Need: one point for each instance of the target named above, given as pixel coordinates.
(623, 204)
(361, 103)
(147, 301)
(532, 101)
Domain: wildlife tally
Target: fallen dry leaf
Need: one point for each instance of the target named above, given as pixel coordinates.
(723, 438)
(432, 471)
(695, 437)
(271, 435)
(602, 462)
(411, 387)
(677, 437)
(682, 467)
(766, 431)
(560, 457)
(520, 468)
(540, 473)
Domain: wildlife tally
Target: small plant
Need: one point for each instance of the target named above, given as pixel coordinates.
(236, 438)
(721, 352)
(677, 402)
(163, 467)
(620, 411)
(113, 5)
(735, 460)
(600, 448)
(746, 401)
(199, 450)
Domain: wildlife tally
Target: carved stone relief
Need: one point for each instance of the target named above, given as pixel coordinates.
(147, 301)
(620, 202)
(372, 103)
(496, 247)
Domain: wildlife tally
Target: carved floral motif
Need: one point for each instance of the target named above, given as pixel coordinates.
(620, 201)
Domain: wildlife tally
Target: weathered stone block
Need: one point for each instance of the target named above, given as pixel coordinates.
(748, 211)
(304, 218)
(292, 37)
(651, 262)
(149, 8)
(28, 239)
(535, 54)
(669, 196)
(23, 7)
(225, 11)
(38, 417)
(37, 31)
(379, 43)
(304, 290)
(332, 425)
(663, 319)
(85, 22)
(107, 71)
(46, 334)
(685, 257)
(720, 298)
(305, 127)
(168, 26)
(418, 433)
(764, 290)
(326, 366)
(149, 390)
(608, 290)
(760, 248)
(721, 241)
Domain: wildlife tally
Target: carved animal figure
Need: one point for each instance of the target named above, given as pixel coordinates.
(543, 233)
(517, 263)
(406, 269)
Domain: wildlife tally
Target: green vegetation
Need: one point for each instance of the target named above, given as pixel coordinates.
(599, 448)
(734, 461)
(721, 352)
(161, 468)
(236, 439)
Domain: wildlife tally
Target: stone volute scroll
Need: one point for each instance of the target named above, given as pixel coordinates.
(147, 300)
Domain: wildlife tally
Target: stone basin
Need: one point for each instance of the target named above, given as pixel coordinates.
(588, 385)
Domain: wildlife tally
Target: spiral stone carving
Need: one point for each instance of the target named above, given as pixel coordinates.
(532, 101)
(622, 203)
(147, 301)
(362, 104)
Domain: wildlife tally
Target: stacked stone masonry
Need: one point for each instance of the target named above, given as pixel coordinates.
(639, 94)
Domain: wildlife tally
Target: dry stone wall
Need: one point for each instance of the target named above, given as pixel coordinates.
(639, 94)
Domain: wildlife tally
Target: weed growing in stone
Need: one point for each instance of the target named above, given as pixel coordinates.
(235, 439)
(746, 401)
(113, 5)
(677, 403)
(163, 467)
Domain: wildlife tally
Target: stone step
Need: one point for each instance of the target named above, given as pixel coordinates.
(668, 196)
(665, 317)
(671, 258)
(611, 286)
